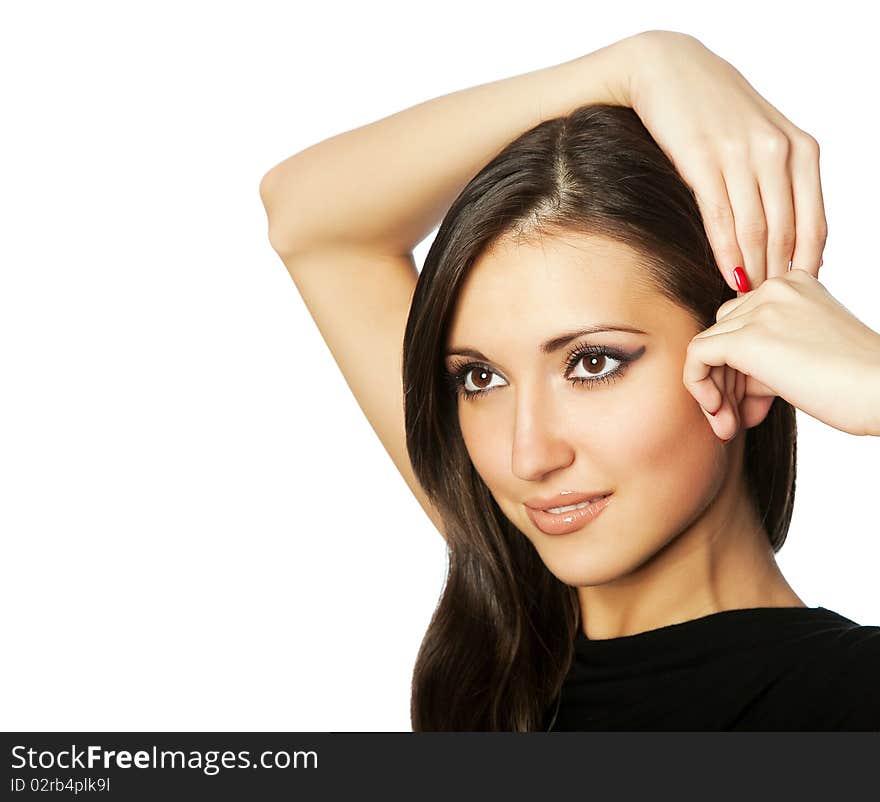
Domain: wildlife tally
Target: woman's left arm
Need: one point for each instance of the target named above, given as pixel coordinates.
(790, 338)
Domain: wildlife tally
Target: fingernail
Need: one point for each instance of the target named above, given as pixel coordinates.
(741, 279)
(820, 262)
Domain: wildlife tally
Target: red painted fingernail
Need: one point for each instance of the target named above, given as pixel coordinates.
(741, 279)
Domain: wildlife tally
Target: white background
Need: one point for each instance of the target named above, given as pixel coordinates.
(199, 528)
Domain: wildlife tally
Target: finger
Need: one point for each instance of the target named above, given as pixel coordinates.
(748, 385)
(716, 380)
(711, 196)
(715, 350)
(713, 387)
(730, 306)
(739, 316)
(719, 376)
(774, 183)
(735, 320)
(725, 422)
(755, 408)
(730, 375)
(756, 388)
(750, 223)
(698, 379)
(739, 392)
(811, 226)
(711, 419)
(724, 418)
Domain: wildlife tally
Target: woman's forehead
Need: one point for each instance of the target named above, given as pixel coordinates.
(551, 284)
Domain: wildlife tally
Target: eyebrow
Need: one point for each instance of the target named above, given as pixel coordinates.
(554, 344)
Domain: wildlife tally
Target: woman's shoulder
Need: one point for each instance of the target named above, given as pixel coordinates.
(838, 643)
(846, 639)
(842, 675)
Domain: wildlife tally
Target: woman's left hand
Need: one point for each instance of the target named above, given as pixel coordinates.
(790, 338)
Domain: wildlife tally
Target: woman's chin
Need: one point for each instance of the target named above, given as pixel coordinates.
(585, 570)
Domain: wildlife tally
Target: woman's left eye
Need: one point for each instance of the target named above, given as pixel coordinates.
(594, 364)
(594, 359)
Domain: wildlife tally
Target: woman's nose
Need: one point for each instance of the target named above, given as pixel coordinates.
(540, 442)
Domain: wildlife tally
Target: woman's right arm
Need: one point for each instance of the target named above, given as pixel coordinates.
(345, 214)
(385, 186)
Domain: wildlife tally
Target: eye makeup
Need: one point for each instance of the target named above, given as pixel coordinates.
(457, 372)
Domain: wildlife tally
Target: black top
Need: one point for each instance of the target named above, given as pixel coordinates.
(764, 668)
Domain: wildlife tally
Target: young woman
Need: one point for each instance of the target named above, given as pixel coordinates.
(576, 370)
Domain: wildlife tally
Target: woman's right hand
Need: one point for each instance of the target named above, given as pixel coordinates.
(755, 174)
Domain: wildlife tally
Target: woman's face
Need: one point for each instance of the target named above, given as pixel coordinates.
(535, 432)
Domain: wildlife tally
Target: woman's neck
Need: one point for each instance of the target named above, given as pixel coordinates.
(722, 561)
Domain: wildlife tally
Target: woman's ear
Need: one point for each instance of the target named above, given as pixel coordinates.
(753, 409)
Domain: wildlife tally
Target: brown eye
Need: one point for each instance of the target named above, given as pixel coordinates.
(483, 380)
(594, 362)
(597, 367)
(478, 379)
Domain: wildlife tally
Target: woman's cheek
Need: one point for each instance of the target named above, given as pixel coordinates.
(667, 453)
(487, 444)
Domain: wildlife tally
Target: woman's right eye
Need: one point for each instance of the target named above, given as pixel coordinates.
(481, 381)
(472, 381)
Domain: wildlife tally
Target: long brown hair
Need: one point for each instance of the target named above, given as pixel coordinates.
(500, 642)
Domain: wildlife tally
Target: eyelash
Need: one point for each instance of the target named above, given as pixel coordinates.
(457, 375)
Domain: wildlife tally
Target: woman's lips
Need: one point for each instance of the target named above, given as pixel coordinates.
(562, 523)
